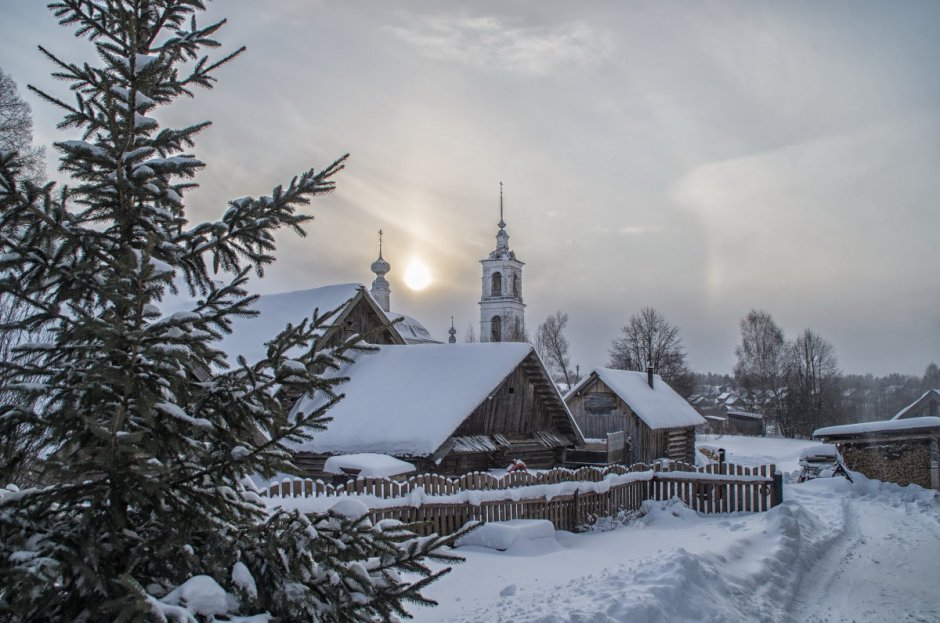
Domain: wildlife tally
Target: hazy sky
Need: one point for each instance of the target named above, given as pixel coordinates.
(704, 158)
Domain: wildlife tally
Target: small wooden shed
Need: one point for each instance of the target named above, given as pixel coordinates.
(658, 422)
(903, 451)
(445, 408)
(740, 422)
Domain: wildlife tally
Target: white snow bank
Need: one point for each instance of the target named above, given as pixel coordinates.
(751, 451)
(502, 535)
(350, 507)
(367, 465)
(672, 566)
(202, 595)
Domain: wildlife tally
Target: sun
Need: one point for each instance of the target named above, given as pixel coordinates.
(417, 275)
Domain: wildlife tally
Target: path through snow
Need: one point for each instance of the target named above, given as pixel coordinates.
(887, 559)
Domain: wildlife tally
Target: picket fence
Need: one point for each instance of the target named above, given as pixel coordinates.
(716, 488)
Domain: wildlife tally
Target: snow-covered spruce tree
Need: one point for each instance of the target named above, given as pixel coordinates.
(145, 511)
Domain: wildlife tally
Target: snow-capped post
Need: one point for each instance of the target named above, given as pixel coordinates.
(145, 509)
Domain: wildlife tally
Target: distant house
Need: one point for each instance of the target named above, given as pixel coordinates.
(744, 423)
(927, 405)
(904, 451)
(445, 408)
(658, 422)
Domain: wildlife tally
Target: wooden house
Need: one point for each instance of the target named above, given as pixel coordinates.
(358, 314)
(903, 451)
(445, 408)
(657, 421)
(927, 405)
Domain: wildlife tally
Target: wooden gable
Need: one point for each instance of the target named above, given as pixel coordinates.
(362, 316)
(524, 418)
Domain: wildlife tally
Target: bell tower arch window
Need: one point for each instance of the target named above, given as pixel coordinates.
(496, 284)
(496, 329)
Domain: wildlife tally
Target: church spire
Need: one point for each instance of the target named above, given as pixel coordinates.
(381, 291)
(452, 331)
(502, 238)
(502, 223)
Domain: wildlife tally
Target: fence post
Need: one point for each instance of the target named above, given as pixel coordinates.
(778, 489)
(576, 509)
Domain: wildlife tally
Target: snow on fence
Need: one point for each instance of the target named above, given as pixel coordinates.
(570, 499)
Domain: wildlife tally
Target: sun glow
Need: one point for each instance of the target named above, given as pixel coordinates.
(417, 275)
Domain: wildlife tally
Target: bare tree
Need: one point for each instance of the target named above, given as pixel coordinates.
(19, 452)
(16, 131)
(470, 336)
(552, 346)
(650, 340)
(760, 370)
(812, 385)
(931, 378)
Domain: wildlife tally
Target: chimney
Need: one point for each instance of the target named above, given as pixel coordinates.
(649, 376)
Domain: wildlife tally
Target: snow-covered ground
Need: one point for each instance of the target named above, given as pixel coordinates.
(832, 552)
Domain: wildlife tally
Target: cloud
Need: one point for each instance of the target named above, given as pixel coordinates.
(637, 230)
(489, 42)
(827, 213)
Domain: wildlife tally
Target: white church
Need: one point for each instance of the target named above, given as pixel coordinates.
(502, 312)
(368, 312)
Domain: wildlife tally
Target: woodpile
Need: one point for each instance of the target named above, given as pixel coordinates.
(901, 462)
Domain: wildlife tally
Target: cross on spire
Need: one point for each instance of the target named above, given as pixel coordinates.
(502, 223)
(380, 243)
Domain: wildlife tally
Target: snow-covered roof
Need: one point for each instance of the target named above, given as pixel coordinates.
(408, 400)
(879, 426)
(819, 450)
(367, 465)
(410, 329)
(745, 414)
(930, 393)
(277, 310)
(658, 406)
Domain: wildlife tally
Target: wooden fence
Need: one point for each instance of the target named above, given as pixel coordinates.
(716, 488)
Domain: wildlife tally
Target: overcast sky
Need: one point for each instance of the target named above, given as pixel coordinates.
(704, 158)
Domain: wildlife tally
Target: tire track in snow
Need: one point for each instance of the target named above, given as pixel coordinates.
(880, 569)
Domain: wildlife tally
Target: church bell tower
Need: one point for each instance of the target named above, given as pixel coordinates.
(502, 312)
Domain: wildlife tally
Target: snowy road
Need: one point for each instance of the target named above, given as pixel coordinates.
(891, 540)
